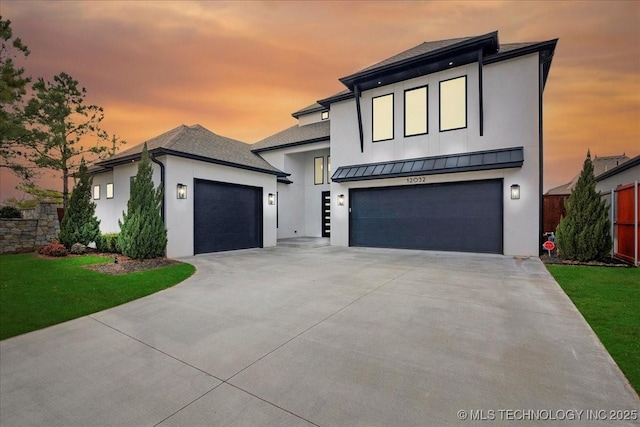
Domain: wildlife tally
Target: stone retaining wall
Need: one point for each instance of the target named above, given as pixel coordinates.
(38, 227)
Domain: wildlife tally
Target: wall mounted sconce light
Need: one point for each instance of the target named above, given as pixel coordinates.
(271, 199)
(182, 191)
(515, 192)
(340, 199)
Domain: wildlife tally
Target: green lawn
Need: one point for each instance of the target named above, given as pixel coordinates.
(37, 292)
(609, 299)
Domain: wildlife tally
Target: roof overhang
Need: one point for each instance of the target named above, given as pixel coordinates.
(455, 55)
(452, 163)
(620, 168)
(111, 163)
(291, 144)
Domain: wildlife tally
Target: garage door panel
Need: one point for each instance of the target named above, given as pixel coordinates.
(226, 217)
(453, 217)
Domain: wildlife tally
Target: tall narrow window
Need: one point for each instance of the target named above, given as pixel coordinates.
(328, 169)
(383, 118)
(318, 170)
(453, 104)
(109, 191)
(96, 192)
(415, 111)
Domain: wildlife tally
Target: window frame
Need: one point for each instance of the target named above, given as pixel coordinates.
(109, 185)
(94, 195)
(426, 105)
(315, 170)
(466, 107)
(324, 115)
(329, 169)
(373, 117)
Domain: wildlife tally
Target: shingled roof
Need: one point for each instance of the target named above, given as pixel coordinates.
(601, 165)
(199, 143)
(295, 135)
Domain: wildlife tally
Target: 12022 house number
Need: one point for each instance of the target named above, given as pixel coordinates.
(416, 180)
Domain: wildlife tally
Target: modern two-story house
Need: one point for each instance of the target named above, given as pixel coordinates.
(439, 148)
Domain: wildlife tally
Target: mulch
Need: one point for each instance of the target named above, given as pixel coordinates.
(609, 262)
(122, 265)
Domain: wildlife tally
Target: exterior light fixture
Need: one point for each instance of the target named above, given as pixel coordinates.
(340, 199)
(515, 192)
(182, 191)
(271, 199)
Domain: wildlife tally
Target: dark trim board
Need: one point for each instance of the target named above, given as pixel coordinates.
(462, 216)
(226, 216)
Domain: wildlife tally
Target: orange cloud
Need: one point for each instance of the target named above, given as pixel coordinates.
(241, 68)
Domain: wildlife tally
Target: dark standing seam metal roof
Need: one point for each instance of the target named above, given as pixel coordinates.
(198, 143)
(295, 135)
(467, 162)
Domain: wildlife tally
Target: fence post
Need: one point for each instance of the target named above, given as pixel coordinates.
(612, 218)
(635, 221)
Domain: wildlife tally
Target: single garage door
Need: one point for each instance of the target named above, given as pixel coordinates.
(464, 216)
(226, 217)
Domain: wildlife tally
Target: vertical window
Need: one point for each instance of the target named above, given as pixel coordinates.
(109, 191)
(318, 170)
(415, 111)
(453, 104)
(328, 169)
(382, 117)
(324, 115)
(96, 192)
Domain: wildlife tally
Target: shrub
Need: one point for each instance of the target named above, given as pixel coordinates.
(80, 224)
(78, 249)
(108, 243)
(53, 249)
(142, 232)
(584, 235)
(10, 212)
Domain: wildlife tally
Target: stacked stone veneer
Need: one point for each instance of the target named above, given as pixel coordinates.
(39, 226)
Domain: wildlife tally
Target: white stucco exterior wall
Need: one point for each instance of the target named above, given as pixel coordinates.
(179, 218)
(299, 204)
(511, 119)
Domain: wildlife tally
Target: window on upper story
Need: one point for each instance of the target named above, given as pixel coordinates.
(382, 107)
(328, 169)
(453, 104)
(324, 115)
(415, 111)
(109, 191)
(318, 170)
(96, 192)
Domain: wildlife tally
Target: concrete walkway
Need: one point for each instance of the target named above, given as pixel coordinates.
(320, 335)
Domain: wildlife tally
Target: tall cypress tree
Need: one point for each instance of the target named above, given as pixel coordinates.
(584, 234)
(80, 224)
(142, 232)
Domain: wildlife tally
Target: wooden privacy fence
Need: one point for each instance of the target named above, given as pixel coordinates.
(625, 217)
(552, 210)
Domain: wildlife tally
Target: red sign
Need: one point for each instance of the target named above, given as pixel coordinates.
(549, 245)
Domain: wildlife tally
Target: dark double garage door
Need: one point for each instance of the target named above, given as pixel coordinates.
(226, 217)
(465, 217)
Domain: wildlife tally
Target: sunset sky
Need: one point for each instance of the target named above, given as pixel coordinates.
(241, 68)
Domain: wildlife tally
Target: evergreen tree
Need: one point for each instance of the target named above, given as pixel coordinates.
(584, 234)
(80, 224)
(142, 232)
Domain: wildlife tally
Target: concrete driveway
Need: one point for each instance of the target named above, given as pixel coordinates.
(320, 335)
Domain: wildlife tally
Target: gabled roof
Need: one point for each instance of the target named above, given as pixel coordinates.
(197, 142)
(601, 166)
(295, 135)
(621, 167)
(431, 57)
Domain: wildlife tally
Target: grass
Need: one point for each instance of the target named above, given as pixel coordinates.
(37, 292)
(609, 299)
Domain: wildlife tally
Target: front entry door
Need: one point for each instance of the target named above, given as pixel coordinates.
(326, 214)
